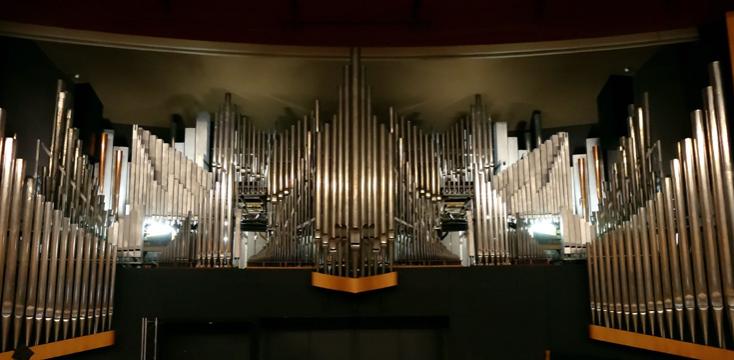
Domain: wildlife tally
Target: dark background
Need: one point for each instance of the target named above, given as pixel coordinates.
(28, 81)
(28, 94)
(465, 313)
(515, 312)
(370, 23)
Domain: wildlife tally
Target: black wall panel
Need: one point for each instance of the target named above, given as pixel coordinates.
(438, 313)
(28, 93)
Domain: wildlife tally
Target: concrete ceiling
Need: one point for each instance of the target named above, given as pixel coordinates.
(146, 87)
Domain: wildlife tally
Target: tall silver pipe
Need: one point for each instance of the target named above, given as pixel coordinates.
(699, 271)
(707, 213)
(687, 277)
(718, 121)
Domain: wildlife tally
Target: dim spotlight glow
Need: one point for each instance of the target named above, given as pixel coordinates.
(543, 227)
(155, 228)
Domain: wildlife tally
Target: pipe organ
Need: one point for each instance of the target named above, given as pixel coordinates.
(166, 188)
(661, 262)
(353, 195)
(58, 237)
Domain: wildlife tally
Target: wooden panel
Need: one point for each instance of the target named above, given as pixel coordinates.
(730, 33)
(354, 285)
(67, 347)
(654, 343)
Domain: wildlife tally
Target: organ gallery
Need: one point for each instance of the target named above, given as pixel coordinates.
(171, 196)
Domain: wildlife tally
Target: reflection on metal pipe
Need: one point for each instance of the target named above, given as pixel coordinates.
(43, 221)
(680, 228)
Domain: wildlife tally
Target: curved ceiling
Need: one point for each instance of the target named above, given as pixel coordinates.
(146, 87)
(369, 23)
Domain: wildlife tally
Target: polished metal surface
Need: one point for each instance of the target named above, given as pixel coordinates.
(356, 194)
(351, 195)
(44, 221)
(677, 228)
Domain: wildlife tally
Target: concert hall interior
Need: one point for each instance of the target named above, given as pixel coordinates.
(398, 179)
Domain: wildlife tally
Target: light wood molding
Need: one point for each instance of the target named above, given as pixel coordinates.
(68, 347)
(658, 344)
(354, 285)
(730, 34)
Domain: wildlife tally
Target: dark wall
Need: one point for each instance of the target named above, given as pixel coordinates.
(28, 83)
(611, 103)
(28, 93)
(88, 117)
(374, 23)
(577, 135)
(514, 312)
(674, 78)
(123, 133)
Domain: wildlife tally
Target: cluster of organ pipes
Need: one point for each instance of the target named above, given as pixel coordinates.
(353, 196)
(661, 264)
(58, 240)
(208, 210)
(182, 250)
(419, 199)
(538, 187)
(539, 183)
(469, 175)
(290, 192)
(166, 187)
(354, 187)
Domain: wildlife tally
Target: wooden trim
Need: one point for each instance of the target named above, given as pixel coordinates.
(654, 343)
(151, 43)
(67, 347)
(272, 267)
(354, 285)
(457, 266)
(730, 34)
